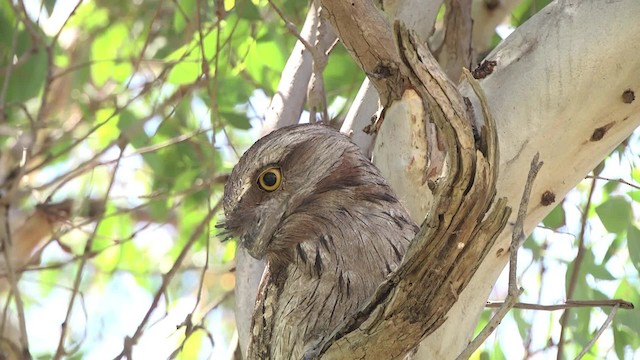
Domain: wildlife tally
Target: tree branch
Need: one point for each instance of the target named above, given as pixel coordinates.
(601, 330)
(453, 240)
(577, 263)
(517, 238)
(568, 304)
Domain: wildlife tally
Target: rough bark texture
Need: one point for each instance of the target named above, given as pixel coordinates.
(453, 239)
(551, 90)
(285, 109)
(331, 231)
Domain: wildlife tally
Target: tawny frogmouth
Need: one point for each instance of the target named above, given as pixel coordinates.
(305, 199)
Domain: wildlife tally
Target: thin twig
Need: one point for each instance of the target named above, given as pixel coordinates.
(564, 320)
(86, 255)
(621, 181)
(517, 239)
(315, 90)
(13, 282)
(604, 326)
(49, 50)
(622, 304)
(203, 272)
(8, 70)
(129, 342)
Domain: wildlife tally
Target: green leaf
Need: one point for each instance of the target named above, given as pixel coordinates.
(268, 62)
(49, 5)
(621, 339)
(615, 214)
(239, 121)
(188, 67)
(582, 289)
(29, 70)
(247, 10)
(108, 130)
(524, 327)
(635, 174)
(48, 279)
(159, 209)
(598, 271)
(635, 195)
(229, 251)
(107, 52)
(629, 292)
(192, 346)
(556, 218)
(611, 186)
(633, 243)
(131, 125)
(613, 249)
(184, 9)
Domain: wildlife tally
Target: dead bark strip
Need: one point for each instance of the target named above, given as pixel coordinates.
(456, 235)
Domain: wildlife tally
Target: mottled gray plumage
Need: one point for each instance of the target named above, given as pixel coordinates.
(330, 234)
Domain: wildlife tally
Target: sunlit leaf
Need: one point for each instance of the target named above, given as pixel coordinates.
(635, 195)
(28, 61)
(615, 214)
(247, 10)
(229, 4)
(107, 52)
(236, 120)
(49, 5)
(556, 218)
(581, 289)
(229, 251)
(615, 246)
(629, 292)
(633, 243)
(108, 131)
(184, 14)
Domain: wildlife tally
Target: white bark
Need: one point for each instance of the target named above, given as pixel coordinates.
(417, 15)
(288, 101)
(486, 19)
(285, 109)
(559, 77)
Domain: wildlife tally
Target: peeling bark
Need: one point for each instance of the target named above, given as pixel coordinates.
(552, 91)
(455, 236)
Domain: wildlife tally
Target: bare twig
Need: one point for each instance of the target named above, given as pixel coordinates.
(87, 254)
(597, 335)
(13, 282)
(49, 48)
(622, 304)
(517, 239)
(621, 181)
(564, 320)
(129, 342)
(316, 96)
(8, 69)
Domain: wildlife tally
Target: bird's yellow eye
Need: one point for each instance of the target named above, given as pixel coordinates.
(270, 179)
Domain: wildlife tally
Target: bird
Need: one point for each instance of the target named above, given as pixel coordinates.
(305, 199)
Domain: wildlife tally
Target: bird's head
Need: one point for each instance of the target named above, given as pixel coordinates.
(280, 173)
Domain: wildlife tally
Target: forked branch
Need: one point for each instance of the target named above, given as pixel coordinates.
(455, 237)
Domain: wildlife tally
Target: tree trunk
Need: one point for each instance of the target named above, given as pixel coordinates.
(557, 89)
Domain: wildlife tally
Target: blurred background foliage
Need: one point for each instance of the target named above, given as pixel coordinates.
(119, 121)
